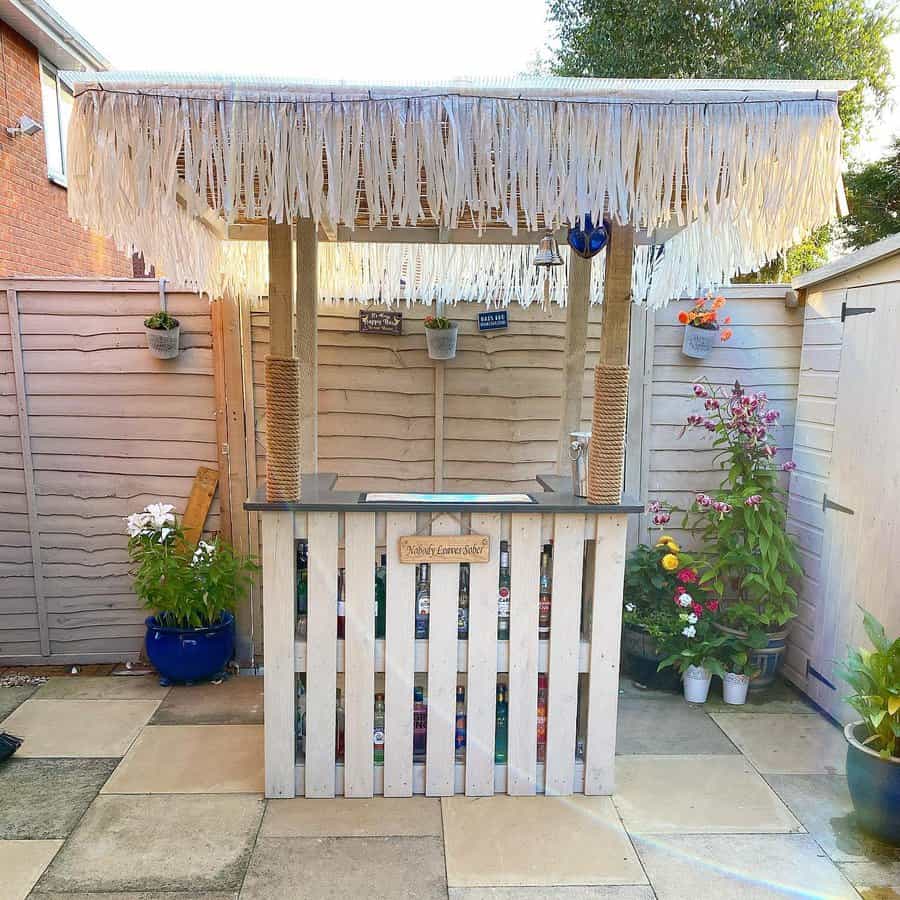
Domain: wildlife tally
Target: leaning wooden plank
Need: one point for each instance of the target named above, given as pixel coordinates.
(198, 504)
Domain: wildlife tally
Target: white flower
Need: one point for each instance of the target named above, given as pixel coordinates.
(629, 607)
(685, 599)
(690, 631)
(692, 619)
(136, 523)
(160, 514)
(163, 534)
(204, 551)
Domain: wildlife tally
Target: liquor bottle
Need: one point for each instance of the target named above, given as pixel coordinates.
(420, 723)
(301, 717)
(378, 732)
(380, 596)
(302, 577)
(462, 615)
(423, 602)
(542, 717)
(503, 599)
(501, 733)
(460, 723)
(546, 590)
(339, 726)
(341, 606)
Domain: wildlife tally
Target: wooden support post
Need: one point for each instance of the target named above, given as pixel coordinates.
(306, 337)
(617, 296)
(439, 403)
(281, 290)
(577, 305)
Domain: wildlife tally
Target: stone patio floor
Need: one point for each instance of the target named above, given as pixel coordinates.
(126, 789)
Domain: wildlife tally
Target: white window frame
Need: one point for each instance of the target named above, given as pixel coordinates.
(55, 176)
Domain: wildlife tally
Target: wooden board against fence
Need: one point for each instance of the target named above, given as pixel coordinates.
(449, 548)
(198, 504)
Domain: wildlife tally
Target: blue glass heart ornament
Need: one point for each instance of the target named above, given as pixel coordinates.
(588, 240)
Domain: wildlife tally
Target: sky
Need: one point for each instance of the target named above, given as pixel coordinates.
(345, 40)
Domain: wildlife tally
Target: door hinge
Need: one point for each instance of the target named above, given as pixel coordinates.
(830, 504)
(818, 676)
(854, 310)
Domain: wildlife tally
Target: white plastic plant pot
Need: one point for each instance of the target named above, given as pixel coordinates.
(734, 688)
(696, 684)
(698, 342)
(163, 342)
(442, 342)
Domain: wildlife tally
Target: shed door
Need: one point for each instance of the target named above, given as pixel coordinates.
(861, 549)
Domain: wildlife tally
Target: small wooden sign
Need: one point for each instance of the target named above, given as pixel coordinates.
(458, 548)
(493, 320)
(379, 321)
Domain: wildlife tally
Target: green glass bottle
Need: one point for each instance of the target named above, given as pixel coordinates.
(501, 734)
(380, 596)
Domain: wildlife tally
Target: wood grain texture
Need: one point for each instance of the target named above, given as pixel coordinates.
(198, 504)
(577, 306)
(306, 341)
(281, 289)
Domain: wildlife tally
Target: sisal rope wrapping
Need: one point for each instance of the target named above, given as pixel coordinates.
(606, 461)
(282, 428)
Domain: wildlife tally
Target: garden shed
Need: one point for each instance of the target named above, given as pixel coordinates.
(845, 493)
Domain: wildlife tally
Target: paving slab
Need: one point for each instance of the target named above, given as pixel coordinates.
(781, 697)
(21, 864)
(43, 799)
(192, 759)
(536, 841)
(81, 687)
(172, 843)
(141, 895)
(697, 795)
(783, 744)
(572, 892)
(13, 697)
(875, 880)
(398, 868)
(237, 701)
(78, 728)
(740, 867)
(651, 726)
(343, 817)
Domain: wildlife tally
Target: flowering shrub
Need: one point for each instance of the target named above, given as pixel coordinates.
(705, 314)
(185, 589)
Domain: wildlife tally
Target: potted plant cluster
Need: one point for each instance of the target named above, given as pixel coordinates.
(163, 335)
(191, 591)
(701, 327)
(441, 334)
(873, 743)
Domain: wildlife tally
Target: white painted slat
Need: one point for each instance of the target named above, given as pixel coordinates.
(440, 751)
(321, 650)
(279, 624)
(606, 625)
(359, 652)
(481, 683)
(562, 697)
(525, 564)
(399, 660)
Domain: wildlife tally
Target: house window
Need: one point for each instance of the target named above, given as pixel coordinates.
(57, 102)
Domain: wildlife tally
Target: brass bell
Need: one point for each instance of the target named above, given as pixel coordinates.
(548, 252)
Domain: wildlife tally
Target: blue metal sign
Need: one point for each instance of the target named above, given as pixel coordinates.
(492, 320)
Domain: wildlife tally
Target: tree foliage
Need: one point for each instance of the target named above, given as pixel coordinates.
(873, 195)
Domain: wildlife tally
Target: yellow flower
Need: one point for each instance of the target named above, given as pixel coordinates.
(669, 562)
(673, 546)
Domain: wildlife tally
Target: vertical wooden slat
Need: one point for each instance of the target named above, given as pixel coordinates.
(281, 289)
(562, 699)
(399, 660)
(359, 653)
(603, 682)
(481, 683)
(321, 653)
(15, 333)
(525, 562)
(306, 341)
(279, 623)
(222, 450)
(440, 753)
(439, 401)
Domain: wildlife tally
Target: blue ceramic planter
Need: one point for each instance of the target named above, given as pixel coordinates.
(874, 785)
(193, 654)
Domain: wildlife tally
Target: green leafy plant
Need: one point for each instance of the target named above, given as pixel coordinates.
(874, 676)
(161, 321)
(185, 588)
(437, 322)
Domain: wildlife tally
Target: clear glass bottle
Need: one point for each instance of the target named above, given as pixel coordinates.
(341, 606)
(378, 731)
(380, 596)
(339, 726)
(462, 616)
(460, 723)
(420, 723)
(423, 602)
(503, 597)
(501, 732)
(546, 591)
(542, 717)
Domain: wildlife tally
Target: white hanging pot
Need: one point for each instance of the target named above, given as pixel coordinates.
(698, 342)
(696, 684)
(442, 342)
(734, 688)
(164, 342)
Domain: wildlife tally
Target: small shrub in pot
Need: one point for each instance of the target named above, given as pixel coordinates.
(163, 335)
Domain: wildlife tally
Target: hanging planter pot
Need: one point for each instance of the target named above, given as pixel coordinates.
(163, 335)
(698, 342)
(734, 688)
(696, 684)
(441, 334)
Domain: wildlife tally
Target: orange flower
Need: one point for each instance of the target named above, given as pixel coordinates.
(683, 317)
(726, 334)
(700, 301)
(727, 320)
(718, 303)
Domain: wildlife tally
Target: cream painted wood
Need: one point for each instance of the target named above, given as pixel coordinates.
(321, 650)
(306, 341)
(482, 664)
(399, 660)
(440, 750)
(281, 289)
(439, 402)
(279, 624)
(606, 628)
(359, 652)
(525, 564)
(562, 700)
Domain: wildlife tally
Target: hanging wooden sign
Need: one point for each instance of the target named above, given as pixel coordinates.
(453, 548)
(379, 321)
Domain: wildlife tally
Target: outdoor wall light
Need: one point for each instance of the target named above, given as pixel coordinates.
(548, 252)
(26, 125)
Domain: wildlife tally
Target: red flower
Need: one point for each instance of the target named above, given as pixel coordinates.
(683, 317)
(697, 609)
(712, 605)
(688, 576)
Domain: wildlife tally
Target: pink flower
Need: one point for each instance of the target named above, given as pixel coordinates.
(771, 416)
(769, 450)
(697, 609)
(694, 419)
(703, 500)
(654, 506)
(788, 466)
(721, 507)
(662, 518)
(687, 576)
(700, 391)
(709, 425)
(712, 403)
(712, 605)
(753, 500)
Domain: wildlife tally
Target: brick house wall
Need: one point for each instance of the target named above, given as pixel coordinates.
(36, 235)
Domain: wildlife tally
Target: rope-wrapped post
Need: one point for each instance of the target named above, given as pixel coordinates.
(282, 428)
(606, 460)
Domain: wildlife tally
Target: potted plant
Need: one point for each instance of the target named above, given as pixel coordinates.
(737, 658)
(873, 744)
(440, 334)
(163, 335)
(701, 327)
(192, 593)
(748, 557)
